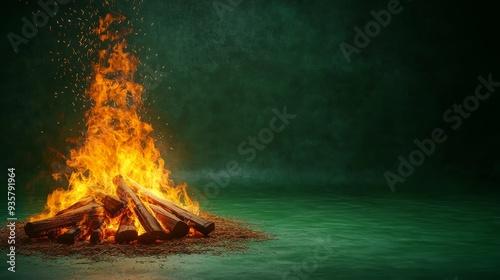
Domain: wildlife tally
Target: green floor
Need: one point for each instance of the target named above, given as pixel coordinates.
(322, 237)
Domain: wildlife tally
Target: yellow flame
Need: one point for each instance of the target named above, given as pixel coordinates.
(117, 141)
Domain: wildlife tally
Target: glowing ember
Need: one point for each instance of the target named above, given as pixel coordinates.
(117, 141)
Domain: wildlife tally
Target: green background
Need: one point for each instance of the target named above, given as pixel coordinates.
(224, 74)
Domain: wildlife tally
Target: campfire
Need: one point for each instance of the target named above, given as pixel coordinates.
(90, 218)
(119, 189)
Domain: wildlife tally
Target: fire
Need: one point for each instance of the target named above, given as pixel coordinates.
(117, 141)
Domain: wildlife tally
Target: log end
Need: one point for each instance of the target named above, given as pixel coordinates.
(116, 210)
(206, 228)
(28, 229)
(96, 236)
(180, 229)
(126, 236)
(113, 206)
(70, 236)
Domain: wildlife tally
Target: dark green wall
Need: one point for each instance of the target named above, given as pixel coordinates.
(225, 76)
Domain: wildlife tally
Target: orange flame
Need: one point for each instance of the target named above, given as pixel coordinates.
(117, 141)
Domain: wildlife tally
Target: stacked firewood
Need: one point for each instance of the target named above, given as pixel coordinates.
(161, 219)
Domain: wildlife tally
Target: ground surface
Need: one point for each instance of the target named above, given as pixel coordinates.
(230, 235)
(315, 237)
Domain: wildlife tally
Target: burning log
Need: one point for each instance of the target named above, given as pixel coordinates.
(199, 223)
(174, 225)
(126, 231)
(94, 227)
(111, 204)
(83, 202)
(70, 218)
(94, 223)
(97, 236)
(147, 220)
(90, 225)
(70, 236)
(145, 238)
